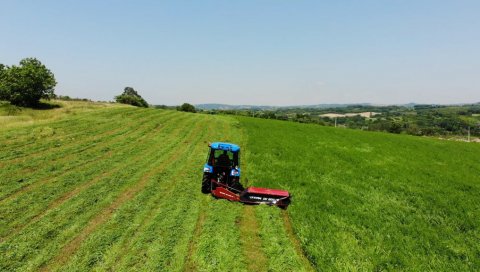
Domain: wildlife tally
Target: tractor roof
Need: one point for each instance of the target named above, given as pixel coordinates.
(225, 146)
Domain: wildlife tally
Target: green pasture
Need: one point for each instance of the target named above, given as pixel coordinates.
(103, 187)
(371, 201)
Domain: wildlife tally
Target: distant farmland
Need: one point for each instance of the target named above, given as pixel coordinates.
(99, 187)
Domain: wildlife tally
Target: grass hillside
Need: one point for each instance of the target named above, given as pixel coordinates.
(114, 189)
(106, 187)
(13, 116)
(371, 201)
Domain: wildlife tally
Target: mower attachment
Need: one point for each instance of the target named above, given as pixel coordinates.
(252, 195)
(257, 195)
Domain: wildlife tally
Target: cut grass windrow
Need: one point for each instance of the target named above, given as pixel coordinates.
(251, 240)
(99, 195)
(48, 139)
(17, 136)
(79, 163)
(125, 196)
(72, 146)
(30, 165)
(82, 186)
(71, 161)
(160, 200)
(31, 206)
(192, 245)
(48, 135)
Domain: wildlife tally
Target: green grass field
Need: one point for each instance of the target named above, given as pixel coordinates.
(112, 188)
(371, 201)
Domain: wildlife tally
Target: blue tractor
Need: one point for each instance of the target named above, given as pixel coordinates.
(221, 178)
(222, 166)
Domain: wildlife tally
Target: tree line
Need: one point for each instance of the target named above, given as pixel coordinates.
(30, 81)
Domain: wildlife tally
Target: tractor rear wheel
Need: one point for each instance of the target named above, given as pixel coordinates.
(206, 183)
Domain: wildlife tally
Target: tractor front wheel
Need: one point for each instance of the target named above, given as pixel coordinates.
(237, 185)
(206, 183)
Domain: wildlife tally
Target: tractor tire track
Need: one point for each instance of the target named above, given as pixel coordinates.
(70, 248)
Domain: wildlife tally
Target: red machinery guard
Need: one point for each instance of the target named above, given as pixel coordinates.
(221, 192)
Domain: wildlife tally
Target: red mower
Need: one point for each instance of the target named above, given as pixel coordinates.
(221, 178)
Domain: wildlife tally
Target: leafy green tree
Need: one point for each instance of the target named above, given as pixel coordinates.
(26, 84)
(131, 97)
(187, 108)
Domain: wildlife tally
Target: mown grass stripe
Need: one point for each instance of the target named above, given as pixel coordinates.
(251, 240)
(165, 183)
(73, 128)
(20, 188)
(105, 214)
(190, 265)
(168, 196)
(82, 186)
(27, 206)
(10, 132)
(68, 225)
(97, 134)
(30, 164)
(212, 251)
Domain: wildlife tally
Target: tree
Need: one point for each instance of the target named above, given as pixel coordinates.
(26, 84)
(3, 91)
(187, 108)
(131, 97)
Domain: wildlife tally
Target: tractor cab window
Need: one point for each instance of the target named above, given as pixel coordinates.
(223, 158)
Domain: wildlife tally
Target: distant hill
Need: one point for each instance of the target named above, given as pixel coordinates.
(253, 107)
(213, 106)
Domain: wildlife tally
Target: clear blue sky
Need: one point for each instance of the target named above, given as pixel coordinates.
(252, 52)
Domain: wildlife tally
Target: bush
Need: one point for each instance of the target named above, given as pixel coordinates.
(187, 108)
(131, 97)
